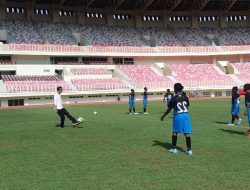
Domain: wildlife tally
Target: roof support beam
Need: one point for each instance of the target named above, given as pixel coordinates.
(89, 2)
(229, 4)
(147, 3)
(201, 4)
(119, 3)
(63, 1)
(175, 3)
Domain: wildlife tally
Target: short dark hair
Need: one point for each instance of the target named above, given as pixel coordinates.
(145, 88)
(59, 88)
(168, 90)
(178, 87)
(246, 87)
(235, 89)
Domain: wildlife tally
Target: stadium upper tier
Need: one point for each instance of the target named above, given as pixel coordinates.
(27, 32)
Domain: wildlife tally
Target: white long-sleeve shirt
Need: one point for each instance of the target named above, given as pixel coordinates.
(58, 101)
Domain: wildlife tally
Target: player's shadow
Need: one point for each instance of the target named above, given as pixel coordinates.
(221, 122)
(166, 145)
(233, 131)
(59, 126)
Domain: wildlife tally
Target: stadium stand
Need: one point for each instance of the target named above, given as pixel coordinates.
(191, 37)
(163, 37)
(230, 35)
(99, 84)
(7, 62)
(243, 71)
(28, 32)
(21, 32)
(108, 35)
(89, 71)
(15, 83)
(200, 75)
(143, 75)
(56, 33)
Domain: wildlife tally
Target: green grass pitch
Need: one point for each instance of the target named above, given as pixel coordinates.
(114, 150)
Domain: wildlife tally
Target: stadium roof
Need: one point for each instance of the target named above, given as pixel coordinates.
(173, 5)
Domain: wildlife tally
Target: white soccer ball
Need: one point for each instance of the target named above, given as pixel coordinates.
(95, 112)
(80, 119)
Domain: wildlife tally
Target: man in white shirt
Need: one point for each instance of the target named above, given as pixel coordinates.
(60, 110)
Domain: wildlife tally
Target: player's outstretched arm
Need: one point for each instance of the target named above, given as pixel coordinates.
(166, 113)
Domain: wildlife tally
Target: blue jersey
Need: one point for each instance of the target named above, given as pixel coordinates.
(235, 110)
(179, 103)
(247, 99)
(235, 98)
(168, 96)
(145, 95)
(131, 100)
(145, 99)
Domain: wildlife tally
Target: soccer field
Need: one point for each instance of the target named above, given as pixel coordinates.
(114, 150)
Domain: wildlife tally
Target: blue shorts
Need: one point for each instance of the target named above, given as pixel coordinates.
(235, 110)
(145, 102)
(248, 114)
(167, 102)
(182, 123)
(131, 103)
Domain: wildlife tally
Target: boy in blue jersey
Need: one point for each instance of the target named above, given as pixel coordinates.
(168, 96)
(181, 120)
(145, 100)
(132, 101)
(247, 101)
(235, 110)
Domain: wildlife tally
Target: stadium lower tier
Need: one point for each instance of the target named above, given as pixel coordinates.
(125, 77)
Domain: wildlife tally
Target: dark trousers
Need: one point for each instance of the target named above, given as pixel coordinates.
(62, 113)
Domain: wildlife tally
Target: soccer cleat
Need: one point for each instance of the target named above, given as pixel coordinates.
(230, 124)
(75, 124)
(239, 121)
(189, 152)
(173, 150)
(136, 113)
(145, 113)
